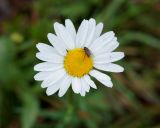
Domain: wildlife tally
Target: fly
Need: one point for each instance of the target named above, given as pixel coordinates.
(87, 52)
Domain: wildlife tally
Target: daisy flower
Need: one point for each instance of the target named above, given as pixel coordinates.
(74, 57)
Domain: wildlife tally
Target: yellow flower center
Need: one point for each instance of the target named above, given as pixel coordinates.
(77, 63)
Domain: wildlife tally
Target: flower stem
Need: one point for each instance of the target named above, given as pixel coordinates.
(70, 110)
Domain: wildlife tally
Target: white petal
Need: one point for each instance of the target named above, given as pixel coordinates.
(110, 67)
(112, 46)
(100, 42)
(82, 34)
(57, 43)
(44, 48)
(108, 47)
(52, 89)
(91, 31)
(98, 31)
(46, 66)
(42, 75)
(108, 57)
(71, 29)
(76, 85)
(64, 35)
(106, 83)
(90, 82)
(64, 86)
(85, 85)
(55, 58)
(82, 91)
(53, 78)
(99, 75)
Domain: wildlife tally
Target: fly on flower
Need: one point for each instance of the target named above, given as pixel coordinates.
(87, 51)
(76, 56)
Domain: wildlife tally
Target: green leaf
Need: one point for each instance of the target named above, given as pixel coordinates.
(30, 110)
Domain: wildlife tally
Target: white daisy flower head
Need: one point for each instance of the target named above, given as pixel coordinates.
(74, 57)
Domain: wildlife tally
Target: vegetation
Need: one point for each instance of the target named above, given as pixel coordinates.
(133, 102)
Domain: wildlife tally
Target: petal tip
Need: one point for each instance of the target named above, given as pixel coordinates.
(34, 68)
(38, 45)
(49, 34)
(48, 93)
(122, 69)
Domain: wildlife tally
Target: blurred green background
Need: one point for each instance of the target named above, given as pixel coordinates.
(134, 100)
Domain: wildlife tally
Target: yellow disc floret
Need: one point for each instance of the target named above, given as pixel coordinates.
(77, 63)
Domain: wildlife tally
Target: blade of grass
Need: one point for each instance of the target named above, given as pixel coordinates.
(141, 37)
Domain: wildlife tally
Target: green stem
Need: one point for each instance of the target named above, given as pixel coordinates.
(70, 110)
